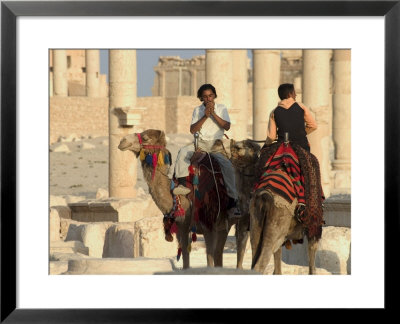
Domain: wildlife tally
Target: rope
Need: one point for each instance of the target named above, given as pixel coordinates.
(216, 185)
(263, 141)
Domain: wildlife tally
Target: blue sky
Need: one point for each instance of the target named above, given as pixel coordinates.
(146, 60)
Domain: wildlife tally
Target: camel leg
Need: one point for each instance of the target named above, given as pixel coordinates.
(312, 251)
(210, 240)
(274, 232)
(219, 247)
(242, 236)
(183, 240)
(277, 262)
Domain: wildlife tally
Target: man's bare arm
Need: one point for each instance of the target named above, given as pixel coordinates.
(197, 125)
(222, 123)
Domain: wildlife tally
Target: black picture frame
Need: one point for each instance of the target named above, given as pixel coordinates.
(11, 10)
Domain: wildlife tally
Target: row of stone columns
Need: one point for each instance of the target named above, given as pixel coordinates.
(225, 70)
(59, 80)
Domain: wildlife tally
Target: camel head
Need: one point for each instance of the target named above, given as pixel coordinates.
(135, 142)
(244, 153)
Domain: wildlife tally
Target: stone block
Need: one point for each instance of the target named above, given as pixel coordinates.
(337, 212)
(74, 246)
(119, 241)
(92, 235)
(87, 146)
(333, 252)
(58, 267)
(102, 193)
(54, 225)
(150, 239)
(113, 209)
(60, 148)
(116, 266)
(64, 200)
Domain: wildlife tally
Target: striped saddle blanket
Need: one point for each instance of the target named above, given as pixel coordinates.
(282, 175)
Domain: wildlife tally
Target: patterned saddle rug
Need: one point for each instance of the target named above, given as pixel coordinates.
(282, 174)
(290, 171)
(209, 195)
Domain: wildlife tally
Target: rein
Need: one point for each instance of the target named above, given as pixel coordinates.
(148, 146)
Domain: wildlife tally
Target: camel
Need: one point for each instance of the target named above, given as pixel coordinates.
(244, 155)
(272, 224)
(152, 141)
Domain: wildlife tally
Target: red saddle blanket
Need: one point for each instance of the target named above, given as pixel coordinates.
(282, 175)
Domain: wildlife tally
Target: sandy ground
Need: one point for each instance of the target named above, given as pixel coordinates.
(81, 168)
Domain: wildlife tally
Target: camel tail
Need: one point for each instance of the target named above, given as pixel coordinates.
(263, 205)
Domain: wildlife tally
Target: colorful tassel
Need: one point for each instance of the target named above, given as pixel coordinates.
(194, 237)
(155, 158)
(189, 248)
(195, 179)
(166, 159)
(191, 170)
(160, 158)
(179, 254)
(172, 185)
(142, 155)
(197, 194)
(174, 228)
(149, 159)
(180, 212)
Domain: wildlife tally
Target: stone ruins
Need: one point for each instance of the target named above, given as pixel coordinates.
(125, 228)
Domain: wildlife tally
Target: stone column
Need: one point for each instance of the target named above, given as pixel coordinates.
(60, 79)
(239, 93)
(51, 84)
(341, 128)
(219, 74)
(92, 60)
(219, 68)
(193, 80)
(123, 92)
(316, 73)
(266, 78)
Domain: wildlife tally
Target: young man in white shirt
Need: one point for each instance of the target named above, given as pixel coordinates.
(210, 120)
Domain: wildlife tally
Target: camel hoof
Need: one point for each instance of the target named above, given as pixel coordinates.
(288, 244)
(169, 237)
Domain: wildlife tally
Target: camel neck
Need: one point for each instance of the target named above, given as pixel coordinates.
(159, 186)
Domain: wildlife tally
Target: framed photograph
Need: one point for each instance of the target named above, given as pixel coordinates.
(371, 29)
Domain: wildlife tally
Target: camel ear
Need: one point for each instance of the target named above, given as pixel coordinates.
(233, 142)
(161, 138)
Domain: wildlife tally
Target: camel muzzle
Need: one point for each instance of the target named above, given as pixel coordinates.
(124, 145)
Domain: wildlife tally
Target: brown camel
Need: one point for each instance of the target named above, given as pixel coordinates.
(152, 141)
(244, 155)
(272, 223)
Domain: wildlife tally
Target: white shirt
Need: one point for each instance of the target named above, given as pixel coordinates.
(210, 129)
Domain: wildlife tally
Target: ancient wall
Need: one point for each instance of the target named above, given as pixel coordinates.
(178, 113)
(154, 115)
(78, 115)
